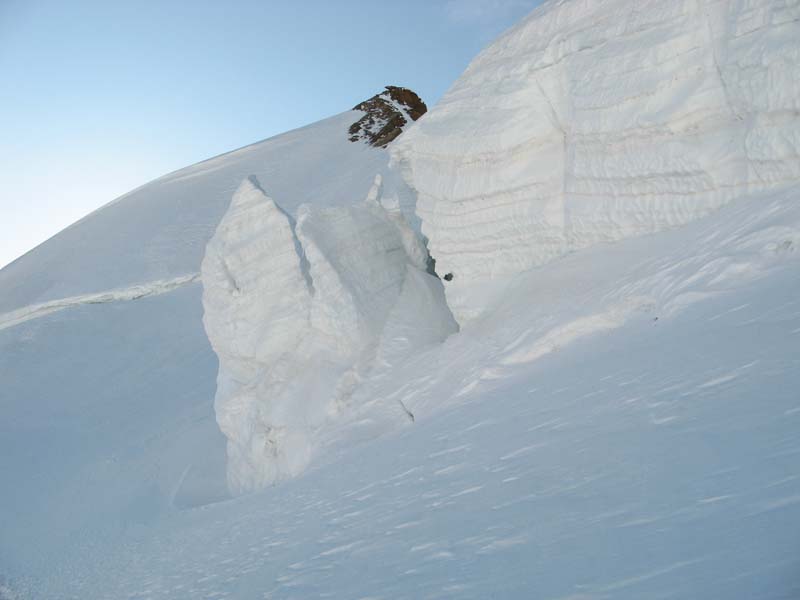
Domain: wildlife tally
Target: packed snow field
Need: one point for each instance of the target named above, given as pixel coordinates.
(244, 380)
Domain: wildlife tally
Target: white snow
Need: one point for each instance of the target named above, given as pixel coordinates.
(106, 381)
(594, 121)
(611, 420)
(606, 468)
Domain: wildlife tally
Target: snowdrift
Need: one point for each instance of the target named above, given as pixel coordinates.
(595, 121)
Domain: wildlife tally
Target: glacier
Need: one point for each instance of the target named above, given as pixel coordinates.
(545, 344)
(590, 122)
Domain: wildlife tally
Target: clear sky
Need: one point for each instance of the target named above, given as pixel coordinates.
(98, 97)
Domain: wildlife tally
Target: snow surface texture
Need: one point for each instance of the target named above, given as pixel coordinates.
(594, 121)
(325, 295)
(623, 425)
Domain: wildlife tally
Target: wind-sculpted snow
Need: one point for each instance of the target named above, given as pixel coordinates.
(284, 299)
(594, 121)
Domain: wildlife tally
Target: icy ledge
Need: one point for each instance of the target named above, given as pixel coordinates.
(299, 311)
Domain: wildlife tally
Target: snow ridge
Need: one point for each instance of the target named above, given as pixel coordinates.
(134, 292)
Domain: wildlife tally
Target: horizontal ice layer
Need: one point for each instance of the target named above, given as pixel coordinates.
(595, 121)
(296, 312)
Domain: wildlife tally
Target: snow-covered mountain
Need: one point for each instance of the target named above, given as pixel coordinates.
(610, 197)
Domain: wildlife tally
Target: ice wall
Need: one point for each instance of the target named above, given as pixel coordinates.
(297, 313)
(594, 121)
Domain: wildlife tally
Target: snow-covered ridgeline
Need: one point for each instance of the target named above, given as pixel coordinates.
(595, 121)
(283, 299)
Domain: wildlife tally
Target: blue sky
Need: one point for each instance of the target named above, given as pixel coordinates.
(98, 97)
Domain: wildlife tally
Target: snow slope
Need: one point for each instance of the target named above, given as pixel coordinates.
(107, 378)
(594, 121)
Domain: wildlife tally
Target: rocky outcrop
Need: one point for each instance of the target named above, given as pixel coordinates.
(385, 116)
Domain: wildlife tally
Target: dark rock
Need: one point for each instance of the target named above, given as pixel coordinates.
(385, 116)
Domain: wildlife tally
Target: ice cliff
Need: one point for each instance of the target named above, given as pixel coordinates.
(594, 121)
(299, 311)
